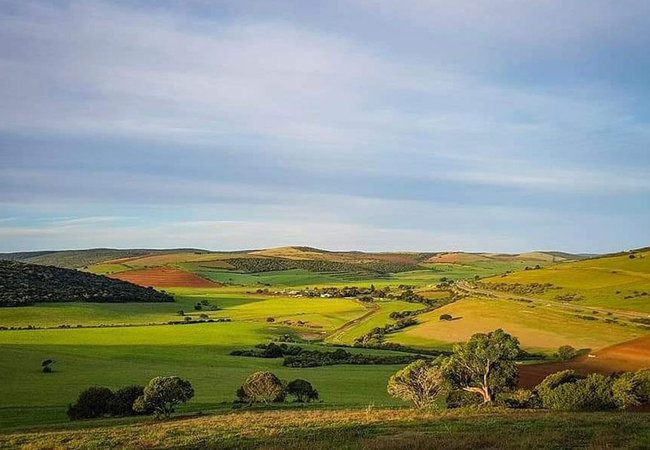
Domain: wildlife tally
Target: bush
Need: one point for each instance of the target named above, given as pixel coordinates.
(642, 379)
(302, 391)
(263, 387)
(462, 399)
(624, 391)
(92, 403)
(162, 394)
(123, 400)
(522, 399)
(419, 383)
(445, 317)
(272, 351)
(565, 353)
(564, 391)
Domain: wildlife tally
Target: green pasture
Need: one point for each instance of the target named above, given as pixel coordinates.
(117, 357)
(378, 318)
(603, 282)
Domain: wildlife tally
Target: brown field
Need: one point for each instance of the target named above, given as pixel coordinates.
(163, 277)
(625, 357)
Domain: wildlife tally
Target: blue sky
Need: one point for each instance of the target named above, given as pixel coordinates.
(497, 125)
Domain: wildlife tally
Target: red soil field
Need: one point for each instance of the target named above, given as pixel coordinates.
(626, 357)
(163, 277)
(445, 258)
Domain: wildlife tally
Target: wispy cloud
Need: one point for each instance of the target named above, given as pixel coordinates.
(417, 106)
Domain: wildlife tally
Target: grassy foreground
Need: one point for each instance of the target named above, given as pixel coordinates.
(359, 429)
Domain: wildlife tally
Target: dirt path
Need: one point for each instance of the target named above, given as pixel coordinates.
(335, 334)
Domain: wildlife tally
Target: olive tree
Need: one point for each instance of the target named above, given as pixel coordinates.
(162, 394)
(419, 383)
(484, 365)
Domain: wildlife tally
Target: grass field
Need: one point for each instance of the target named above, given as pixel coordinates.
(616, 282)
(116, 357)
(378, 318)
(372, 429)
(538, 329)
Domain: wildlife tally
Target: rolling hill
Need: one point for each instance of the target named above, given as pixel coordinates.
(25, 284)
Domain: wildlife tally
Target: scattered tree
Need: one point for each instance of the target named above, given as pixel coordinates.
(92, 403)
(123, 400)
(263, 387)
(484, 365)
(47, 365)
(419, 383)
(162, 394)
(302, 391)
(565, 353)
(446, 317)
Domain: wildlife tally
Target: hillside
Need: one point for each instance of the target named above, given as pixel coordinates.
(74, 259)
(614, 282)
(370, 428)
(25, 284)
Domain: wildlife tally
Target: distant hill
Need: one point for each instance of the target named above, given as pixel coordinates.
(25, 284)
(72, 259)
(280, 258)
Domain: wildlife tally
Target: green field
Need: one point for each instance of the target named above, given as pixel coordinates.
(615, 283)
(117, 357)
(123, 355)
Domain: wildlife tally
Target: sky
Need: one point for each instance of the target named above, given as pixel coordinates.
(501, 125)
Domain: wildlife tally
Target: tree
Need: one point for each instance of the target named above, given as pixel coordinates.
(302, 391)
(123, 400)
(263, 387)
(565, 353)
(419, 383)
(485, 364)
(162, 394)
(91, 403)
(272, 351)
(47, 365)
(445, 317)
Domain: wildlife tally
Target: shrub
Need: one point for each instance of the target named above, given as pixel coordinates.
(47, 366)
(419, 383)
(93, 402)
(272, 351)
(564, 391)
(565, 353)
(462, 399)
(302, 391)
(123, 400)
(445, 317)
(625, 392)
(162, 394)
(263, 387)
(522, 399)
(642, 379)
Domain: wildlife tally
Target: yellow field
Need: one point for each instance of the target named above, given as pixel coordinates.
(540, 328)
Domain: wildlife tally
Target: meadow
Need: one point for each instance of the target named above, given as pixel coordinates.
(372, 429)
(130, 343)
(620, 282)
